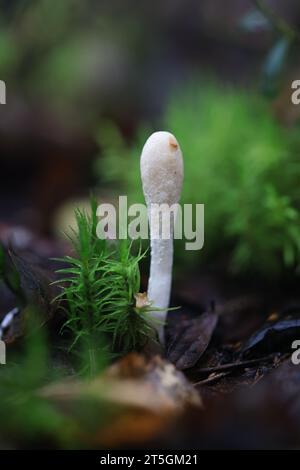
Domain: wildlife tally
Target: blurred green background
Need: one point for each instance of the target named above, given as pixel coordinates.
(88, 81)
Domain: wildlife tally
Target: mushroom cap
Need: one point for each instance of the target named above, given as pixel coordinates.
(162, 169)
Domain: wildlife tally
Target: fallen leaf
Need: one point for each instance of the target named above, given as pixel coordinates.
(34, 282)
(273, 337)
(143, 395)
(155, 385)
(31, 289)
(192, 340)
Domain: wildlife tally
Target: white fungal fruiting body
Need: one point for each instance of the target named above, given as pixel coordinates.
(162, 176)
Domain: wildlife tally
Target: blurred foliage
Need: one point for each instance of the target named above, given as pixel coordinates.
(30, 418)
(25, 416)
(66, 53)
(80, 58)
(284, 48)
(239, 162)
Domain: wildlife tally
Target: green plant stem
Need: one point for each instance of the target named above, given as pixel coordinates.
(87, 321)
(92, 361)
(277, 22)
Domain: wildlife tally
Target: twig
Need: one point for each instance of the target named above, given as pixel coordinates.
(233, 365)
(277, 22)
(211, 379)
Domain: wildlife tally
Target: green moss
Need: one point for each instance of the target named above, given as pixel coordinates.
(99, 286)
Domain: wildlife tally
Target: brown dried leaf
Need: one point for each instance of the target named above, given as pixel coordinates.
(191, 342)
(153, 385)
(141, 300)
(141, 399)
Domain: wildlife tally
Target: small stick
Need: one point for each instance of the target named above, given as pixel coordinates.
(232, 365)
(211, 379)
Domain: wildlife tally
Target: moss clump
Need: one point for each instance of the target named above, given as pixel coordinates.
(99, 287)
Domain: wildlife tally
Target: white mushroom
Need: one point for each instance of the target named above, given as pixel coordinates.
(162, 176)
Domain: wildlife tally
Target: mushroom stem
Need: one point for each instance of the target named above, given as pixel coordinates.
(160, 280)
(162, 175)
